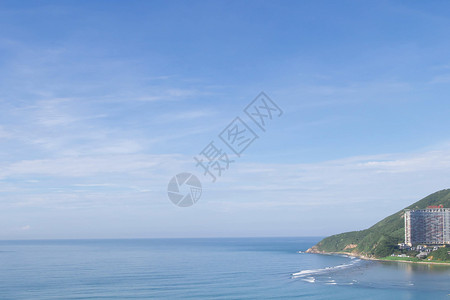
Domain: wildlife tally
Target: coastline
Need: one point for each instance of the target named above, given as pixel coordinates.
(314, 250)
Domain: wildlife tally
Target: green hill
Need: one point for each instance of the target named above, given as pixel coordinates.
(380, 239)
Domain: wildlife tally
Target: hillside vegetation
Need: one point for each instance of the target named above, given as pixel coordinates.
(381, 239)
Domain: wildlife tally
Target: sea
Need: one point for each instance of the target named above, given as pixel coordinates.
(207, 268)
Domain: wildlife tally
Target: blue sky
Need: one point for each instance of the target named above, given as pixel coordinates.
(102, 102)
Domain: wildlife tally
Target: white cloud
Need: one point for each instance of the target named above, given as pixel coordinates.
(399, 179)
(93, 185)
(439, 79)
(171, 94)
(86, 166)
(420, 162)
(185, 115)
(25, 228)
(4, 133)
(354, 179)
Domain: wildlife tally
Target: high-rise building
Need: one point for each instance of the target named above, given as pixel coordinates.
(430, 226)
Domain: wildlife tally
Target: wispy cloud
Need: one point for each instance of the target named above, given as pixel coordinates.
(25, 228)
(440, 79)
(171, 94)
(399, 177)
(185, 115)
(86, 166)
(4, 133)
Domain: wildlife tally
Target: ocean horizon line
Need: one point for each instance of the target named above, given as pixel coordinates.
(158, 238)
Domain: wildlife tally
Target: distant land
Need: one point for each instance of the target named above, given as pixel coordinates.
(381, 240)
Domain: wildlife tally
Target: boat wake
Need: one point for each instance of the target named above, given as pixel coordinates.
(327, 270)
(328, 275)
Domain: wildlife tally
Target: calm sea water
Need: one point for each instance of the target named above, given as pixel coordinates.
(231, 268)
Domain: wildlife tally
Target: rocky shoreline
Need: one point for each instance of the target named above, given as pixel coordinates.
(315, 250)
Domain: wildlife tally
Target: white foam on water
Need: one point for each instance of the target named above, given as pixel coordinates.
(309, 279)
(305, 273)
